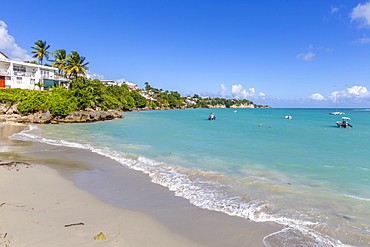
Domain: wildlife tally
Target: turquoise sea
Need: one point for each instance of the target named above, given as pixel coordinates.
(304, 173)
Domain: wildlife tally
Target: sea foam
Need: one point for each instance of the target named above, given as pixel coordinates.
(203, 188)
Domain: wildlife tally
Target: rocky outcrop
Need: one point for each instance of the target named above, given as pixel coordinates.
(243, 106)
(44, 117)
(92, 116)
(239, 106)
(9, 109)
(216, 106)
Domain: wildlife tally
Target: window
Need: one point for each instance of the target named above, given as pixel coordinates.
(19, 80)
(19, 70)
(32, 81)
(44, 73)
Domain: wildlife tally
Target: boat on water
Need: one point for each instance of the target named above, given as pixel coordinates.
(344, 123)
(211, 116)
(336, 108)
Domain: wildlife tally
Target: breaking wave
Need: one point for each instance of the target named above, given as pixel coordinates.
(207, 190)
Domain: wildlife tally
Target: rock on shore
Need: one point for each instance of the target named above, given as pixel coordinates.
(44, 117)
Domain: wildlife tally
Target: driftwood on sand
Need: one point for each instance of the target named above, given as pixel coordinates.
(75, 224)
(15, 165)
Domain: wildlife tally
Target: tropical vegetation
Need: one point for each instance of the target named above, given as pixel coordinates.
(82, 93)
(86, 94)
(60, 60)
(75, 65)
(69, 65)
(40, 50)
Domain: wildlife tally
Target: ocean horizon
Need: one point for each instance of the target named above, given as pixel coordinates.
(304, 173)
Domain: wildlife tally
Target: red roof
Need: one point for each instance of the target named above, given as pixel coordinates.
(4, 55)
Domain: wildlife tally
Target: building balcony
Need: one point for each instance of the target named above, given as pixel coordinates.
(25, 74)
(60, 78)
(4, 72)
(46, 76)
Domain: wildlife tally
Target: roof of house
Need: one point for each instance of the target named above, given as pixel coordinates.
(4, 55)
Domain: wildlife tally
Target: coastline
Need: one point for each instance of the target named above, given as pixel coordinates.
(147, 213)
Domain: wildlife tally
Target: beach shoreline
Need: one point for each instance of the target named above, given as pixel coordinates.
(148, 213)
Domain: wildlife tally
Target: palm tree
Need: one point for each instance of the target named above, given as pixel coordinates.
(60, 60)
(75, 65)
(40, 50)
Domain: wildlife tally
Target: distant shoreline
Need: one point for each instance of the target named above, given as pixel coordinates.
(90, 115)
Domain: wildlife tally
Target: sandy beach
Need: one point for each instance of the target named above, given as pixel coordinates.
(65, 197)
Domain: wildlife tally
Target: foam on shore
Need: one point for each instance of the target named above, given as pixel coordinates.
(171, 218)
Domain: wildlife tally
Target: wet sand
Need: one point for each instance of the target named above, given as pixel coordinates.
(170, 219)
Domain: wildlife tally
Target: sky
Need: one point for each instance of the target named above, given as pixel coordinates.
(281, 53)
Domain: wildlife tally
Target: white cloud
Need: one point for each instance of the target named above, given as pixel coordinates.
(317, 96)
(356, 96)
(122, 80)
(307, 57)
(93, 75)
(223, 90)
(352, 93)
(239, 92)
(357, 91)
(362, 41)
(333, 9)
(361, 13)
(11, 49)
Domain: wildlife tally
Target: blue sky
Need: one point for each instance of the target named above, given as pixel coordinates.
(283, 53)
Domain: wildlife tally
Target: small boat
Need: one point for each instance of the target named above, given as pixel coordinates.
(336, 113)
(344, 123)
(288, 117)
(211, 116)
(336, 108)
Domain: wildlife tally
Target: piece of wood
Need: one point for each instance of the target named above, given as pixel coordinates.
(74, 224)
(14, 163)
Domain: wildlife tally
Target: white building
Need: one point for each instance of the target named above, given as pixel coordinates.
(130, 85)
(15, 74)
(109, 82)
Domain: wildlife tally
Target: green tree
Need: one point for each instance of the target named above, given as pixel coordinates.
(148, 87)
(60, 60)
(40, 85)
(140, 101)
(76, 65)
(33, 101)
(60, 101)
(41, 50)
(86, 92)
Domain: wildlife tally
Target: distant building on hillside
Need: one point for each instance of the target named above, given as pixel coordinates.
(109, 82)
(15, 74)
(130, 85)
(189, 101)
